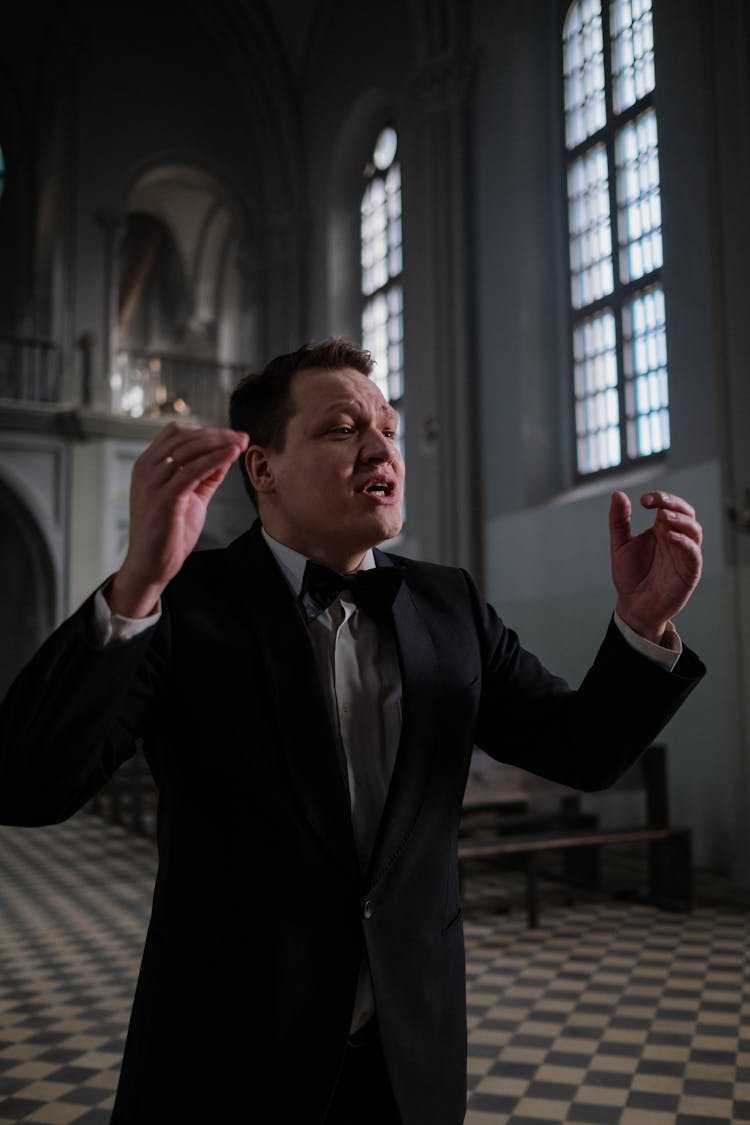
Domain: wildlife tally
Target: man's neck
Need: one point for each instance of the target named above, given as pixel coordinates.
(346, 561)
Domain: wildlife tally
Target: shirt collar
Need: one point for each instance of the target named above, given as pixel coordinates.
(292, 563)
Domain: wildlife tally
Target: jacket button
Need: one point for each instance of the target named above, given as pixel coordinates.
(367, 909)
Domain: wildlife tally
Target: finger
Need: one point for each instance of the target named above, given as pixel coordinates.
(669, 501)
(186, 476)
(216, 444)
(188, 445)
(619, 519)
(677, 522)
(168, 436)
(206, 487)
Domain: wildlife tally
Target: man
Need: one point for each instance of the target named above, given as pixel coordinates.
(311, 740)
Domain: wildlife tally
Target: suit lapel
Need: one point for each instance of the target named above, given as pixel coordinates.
(297, 696)
(418, 664)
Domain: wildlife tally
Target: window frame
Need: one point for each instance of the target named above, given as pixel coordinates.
(623, 292)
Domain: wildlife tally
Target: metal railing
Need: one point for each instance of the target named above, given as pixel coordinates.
(30, 369)
(154, 384)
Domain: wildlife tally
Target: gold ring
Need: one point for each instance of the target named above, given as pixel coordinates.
(170, 460)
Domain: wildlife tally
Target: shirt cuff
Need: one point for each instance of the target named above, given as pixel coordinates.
(112, 628)
(666, 654)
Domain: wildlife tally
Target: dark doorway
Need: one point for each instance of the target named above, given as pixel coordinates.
(26, 586)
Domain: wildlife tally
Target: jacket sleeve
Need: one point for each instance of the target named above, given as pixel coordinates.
(584, 738)
(72, 716)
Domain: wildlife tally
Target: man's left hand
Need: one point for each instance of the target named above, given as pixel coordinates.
(655, 572)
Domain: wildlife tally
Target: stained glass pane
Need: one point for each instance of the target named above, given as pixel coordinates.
(583, 71)
(591, 271)
(384, 152)
(597, 406)
(383, 337)
(645, 372)
(632, 42)
(638, 197)
(380, 224)
(381, 241)
(374, 236)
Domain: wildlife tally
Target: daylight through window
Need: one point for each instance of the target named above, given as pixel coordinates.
(382, 259)
(614, 234)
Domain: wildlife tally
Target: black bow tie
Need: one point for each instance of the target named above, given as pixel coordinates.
(374, 591)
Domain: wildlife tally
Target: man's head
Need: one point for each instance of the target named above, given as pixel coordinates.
(323, 467)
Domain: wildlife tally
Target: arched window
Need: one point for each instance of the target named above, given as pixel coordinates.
(382, 260)
(614, 233)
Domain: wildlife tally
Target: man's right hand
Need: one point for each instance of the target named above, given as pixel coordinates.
(172, 484)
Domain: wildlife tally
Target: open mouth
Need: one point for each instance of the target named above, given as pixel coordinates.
(379, 488)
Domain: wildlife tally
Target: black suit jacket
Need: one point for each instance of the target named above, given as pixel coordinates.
(260, 912)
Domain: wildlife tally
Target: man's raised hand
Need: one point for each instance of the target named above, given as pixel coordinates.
(655, 572)
(172, 484)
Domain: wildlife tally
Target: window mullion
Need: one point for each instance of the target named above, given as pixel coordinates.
(610, 131)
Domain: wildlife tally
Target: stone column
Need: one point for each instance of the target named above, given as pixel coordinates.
(440, 336)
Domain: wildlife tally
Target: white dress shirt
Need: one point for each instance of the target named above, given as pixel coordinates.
(358, 668)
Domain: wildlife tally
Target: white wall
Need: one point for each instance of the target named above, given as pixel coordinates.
(546, 547)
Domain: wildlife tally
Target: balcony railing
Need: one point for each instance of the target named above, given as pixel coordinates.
(154, 384)
(30, 370)
(141, 385)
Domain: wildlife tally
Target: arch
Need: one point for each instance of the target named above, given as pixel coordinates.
(202, 221)
(27, 600)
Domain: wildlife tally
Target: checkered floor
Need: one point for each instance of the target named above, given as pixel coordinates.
(74, 902)
(610, 1012)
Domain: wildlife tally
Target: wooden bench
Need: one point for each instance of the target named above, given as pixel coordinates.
(508, 813)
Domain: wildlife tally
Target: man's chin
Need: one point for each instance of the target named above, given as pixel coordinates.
(389, 528)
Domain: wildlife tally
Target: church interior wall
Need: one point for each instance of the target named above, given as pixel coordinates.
(278, 109)
(546, 536)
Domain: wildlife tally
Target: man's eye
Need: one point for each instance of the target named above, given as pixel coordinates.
(390, 434)
(343, 430)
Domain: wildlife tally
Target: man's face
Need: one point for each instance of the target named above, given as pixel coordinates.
(336, 489)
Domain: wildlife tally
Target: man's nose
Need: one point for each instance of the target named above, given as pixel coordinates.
(377, 447)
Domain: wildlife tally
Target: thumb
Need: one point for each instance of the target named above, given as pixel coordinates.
(619, 520)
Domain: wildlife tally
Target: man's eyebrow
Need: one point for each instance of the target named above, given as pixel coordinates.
(355, 406)
(341, 404)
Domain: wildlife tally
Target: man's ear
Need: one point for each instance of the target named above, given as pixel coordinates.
(259, 470)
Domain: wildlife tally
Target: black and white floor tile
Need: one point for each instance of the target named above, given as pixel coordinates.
(611, 1012)
(74, 903)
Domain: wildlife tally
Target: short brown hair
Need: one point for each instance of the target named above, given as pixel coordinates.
(261, 403)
